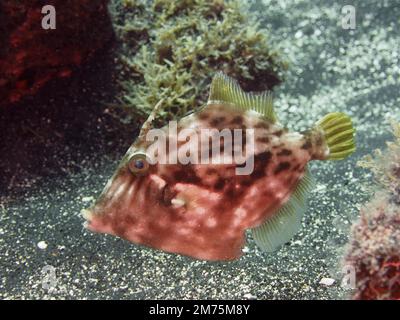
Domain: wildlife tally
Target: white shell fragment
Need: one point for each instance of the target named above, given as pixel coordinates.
(249, 296)
(86, 214)
(42, 245)
(327, 281)
(87, 199)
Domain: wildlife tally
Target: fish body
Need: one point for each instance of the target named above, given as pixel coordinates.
(202, 209)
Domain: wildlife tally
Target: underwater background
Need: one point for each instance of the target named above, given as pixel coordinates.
(59, 149)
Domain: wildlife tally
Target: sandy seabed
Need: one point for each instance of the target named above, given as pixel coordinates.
(58, 153)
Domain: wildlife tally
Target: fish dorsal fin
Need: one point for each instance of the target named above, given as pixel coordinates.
(226, 90)
(285, 223)
(148, 124)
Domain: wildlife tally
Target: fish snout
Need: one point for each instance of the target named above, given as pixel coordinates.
(87, 214)
(94, 222)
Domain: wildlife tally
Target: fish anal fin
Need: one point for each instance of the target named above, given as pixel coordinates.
(284, 224)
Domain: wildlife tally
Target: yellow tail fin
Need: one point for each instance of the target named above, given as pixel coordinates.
(339, 135)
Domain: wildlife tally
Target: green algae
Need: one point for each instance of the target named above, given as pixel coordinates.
(171, 49)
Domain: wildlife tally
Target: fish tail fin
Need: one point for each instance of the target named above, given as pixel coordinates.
(338, 132)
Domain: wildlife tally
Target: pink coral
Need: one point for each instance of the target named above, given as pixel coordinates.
(374, 248)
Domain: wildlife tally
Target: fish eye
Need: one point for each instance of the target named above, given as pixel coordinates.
(138, 163)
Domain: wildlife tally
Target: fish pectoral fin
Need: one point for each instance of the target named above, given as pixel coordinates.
(285, 223)
(225, 90)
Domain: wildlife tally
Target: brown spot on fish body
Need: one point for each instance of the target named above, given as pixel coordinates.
(238, 120)
(187, 174)
(167, 195)
(284, 152)
(204, 116)
(263, 139)
(282, 167)
(231, 193)
(220, 184)
(264, 157)
(258, 172)
(319, 140)
(218, 121)
(262, 125)
(246, 182)
(261, 162)
(121, 225)
(296, 167)
(306, 145)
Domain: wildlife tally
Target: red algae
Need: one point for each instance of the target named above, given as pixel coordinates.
(30, 56)
(374, 249)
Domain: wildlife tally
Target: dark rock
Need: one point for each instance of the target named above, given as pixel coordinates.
(30, 56)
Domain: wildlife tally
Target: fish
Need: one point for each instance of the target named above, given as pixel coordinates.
(203, 209)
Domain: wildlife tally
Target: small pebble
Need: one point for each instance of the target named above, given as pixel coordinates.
(327, 281)
(87, 199)
(42, 245)
(249, 296)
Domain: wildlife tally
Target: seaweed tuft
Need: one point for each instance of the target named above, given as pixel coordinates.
(373, 249)
(171, 49)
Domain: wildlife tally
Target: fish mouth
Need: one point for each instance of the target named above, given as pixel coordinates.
(171, 198)
(166, 194)
(93, 223)
(88, 216)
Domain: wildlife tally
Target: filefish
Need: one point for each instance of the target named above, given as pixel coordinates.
(203, 210)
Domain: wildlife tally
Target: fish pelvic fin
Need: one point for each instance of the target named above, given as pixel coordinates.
(338, 133)
(226, 90)
(286, 222)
